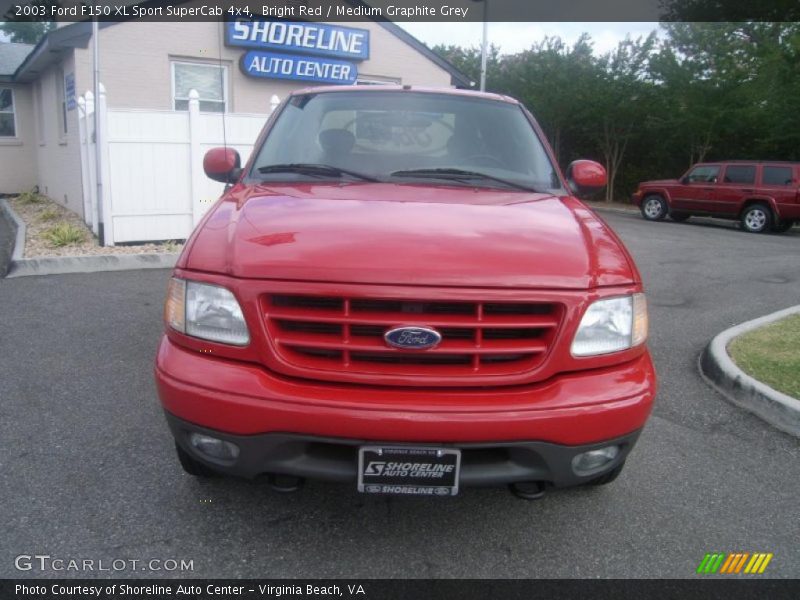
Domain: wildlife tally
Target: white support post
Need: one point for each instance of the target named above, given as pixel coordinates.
(105, 201)
(195, 156)
(91, 163)
(82, 138)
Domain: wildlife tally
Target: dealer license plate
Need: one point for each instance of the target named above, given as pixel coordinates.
(418, 471)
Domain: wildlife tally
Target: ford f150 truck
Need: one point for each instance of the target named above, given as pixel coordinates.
(401, 290)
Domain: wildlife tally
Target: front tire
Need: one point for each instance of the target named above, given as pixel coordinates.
(654, 207)
(757, 218)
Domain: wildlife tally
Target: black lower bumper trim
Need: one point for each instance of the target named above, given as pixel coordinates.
(336, 459)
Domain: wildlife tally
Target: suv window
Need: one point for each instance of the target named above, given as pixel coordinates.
(740, 174)
(777, 176)
(704, 174)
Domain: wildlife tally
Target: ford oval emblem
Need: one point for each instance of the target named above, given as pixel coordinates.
(412, 338)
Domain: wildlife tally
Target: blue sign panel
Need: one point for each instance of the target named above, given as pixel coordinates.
(321, 39)
(276, 65)
(69, 91)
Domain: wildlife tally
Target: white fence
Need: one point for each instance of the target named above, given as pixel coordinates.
(152, 181)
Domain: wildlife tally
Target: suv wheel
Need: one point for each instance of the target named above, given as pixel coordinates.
(782, 226)
(757, 218)
(654, 208)
(192, 466)
(679, 217)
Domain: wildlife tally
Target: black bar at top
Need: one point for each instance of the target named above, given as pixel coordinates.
(405, 10)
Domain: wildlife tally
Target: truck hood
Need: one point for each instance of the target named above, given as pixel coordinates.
(405, 234)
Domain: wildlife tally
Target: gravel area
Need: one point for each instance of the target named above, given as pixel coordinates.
(40, 216)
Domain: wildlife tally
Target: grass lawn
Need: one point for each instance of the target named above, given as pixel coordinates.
(771, 354)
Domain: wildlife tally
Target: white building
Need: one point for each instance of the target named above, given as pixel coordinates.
(152, 187)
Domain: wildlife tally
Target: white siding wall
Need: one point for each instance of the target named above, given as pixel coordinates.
(58, 155)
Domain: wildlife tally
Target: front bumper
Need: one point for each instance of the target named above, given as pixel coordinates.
(336, 459)
(313, 429)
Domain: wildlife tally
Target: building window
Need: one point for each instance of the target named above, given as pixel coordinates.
(210, 81)
(8, 119)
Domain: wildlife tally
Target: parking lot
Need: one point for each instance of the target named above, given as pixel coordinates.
(87, 468)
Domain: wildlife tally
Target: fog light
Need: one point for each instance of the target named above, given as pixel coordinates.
(587, 463)
(214, 448)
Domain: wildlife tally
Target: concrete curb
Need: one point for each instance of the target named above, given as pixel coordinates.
(57, 265)
(717, 368)
(18, 225)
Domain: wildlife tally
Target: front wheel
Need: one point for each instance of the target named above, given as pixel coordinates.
(757, 218)
(654, 207)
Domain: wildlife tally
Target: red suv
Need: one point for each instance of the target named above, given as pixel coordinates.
(400, 290)
(764, 196)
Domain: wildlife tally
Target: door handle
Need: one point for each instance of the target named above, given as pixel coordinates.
(750, 191)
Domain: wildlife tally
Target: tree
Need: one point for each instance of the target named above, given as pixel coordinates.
(26, 32)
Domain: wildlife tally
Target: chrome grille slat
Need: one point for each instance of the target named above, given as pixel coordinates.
(345, 334)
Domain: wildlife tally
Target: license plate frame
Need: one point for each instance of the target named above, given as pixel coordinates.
(434, 471)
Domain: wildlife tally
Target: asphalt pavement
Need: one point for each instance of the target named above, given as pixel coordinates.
(88, 472)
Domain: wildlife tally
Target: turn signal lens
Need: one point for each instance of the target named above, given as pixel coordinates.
(175, 306)
(640, 320)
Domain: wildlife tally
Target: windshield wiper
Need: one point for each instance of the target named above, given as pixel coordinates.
(315, 169)
(460, 175)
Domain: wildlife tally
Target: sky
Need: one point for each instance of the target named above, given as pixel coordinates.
(514, 37)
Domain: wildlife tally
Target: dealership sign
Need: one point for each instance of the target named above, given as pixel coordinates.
(299, 68)
(300, 51)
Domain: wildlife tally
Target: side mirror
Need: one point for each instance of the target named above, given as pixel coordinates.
(586, 177)
(685, 180)
(222, 164)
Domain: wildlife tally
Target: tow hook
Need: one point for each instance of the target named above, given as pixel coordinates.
(528, 490)
(284, 484)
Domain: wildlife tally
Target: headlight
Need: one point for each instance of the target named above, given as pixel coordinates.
(611, 325)
(205, 311)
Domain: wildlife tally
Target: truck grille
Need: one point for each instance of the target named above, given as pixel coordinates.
(342, 334)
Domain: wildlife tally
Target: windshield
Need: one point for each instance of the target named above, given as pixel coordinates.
(402, 137)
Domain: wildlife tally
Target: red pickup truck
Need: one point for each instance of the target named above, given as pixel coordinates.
(764, 196)
(401, 290)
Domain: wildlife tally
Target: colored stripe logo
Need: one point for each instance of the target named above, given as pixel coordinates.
(734, 563)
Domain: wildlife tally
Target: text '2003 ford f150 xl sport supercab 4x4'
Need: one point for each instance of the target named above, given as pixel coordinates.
(401, 291)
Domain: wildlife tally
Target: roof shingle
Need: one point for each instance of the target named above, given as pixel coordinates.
(11, 56)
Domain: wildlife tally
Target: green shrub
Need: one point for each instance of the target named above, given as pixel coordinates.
(31, 197)
(49, 214)
(65, 234)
